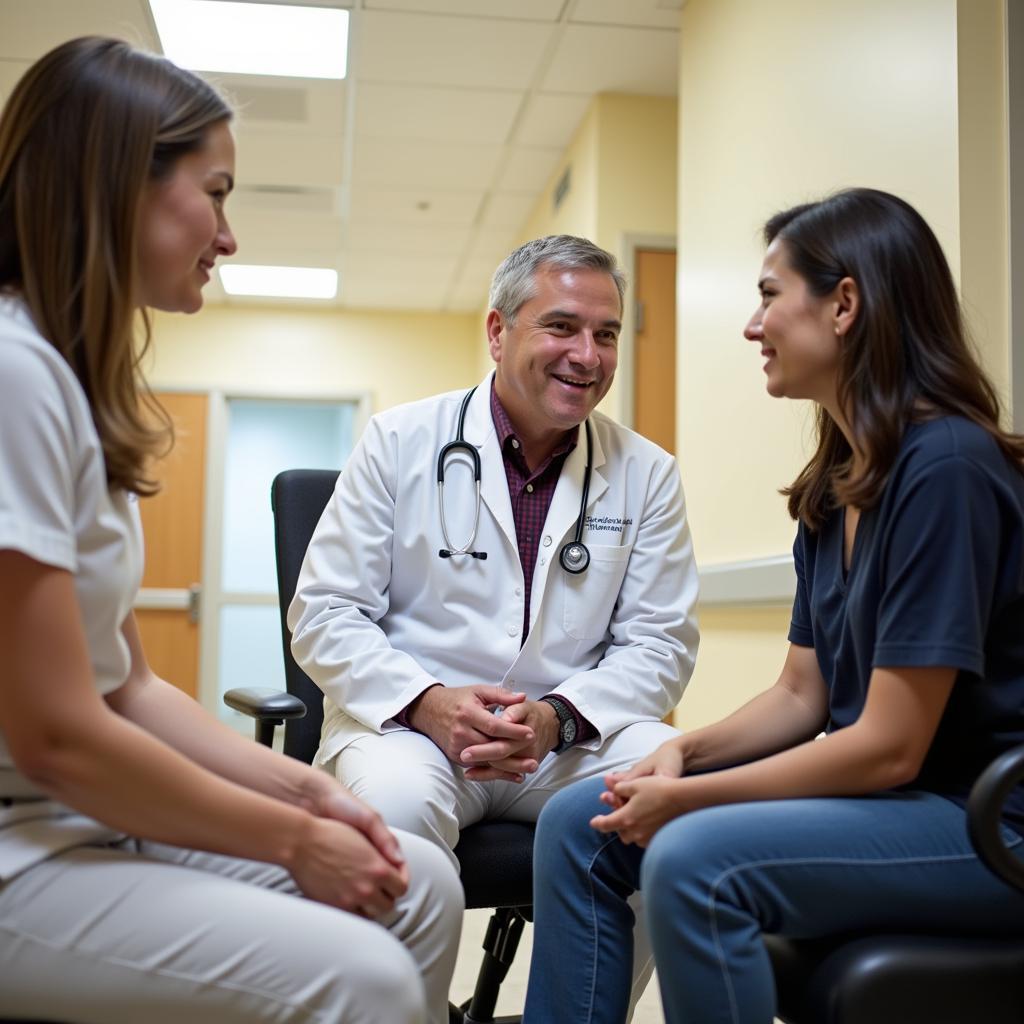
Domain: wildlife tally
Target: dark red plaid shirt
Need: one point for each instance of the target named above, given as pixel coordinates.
(531, 493)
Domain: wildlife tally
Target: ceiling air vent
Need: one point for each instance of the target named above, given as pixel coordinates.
(284, 198)
(561, 189)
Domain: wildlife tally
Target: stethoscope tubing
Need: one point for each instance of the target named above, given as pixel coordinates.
(574, 556)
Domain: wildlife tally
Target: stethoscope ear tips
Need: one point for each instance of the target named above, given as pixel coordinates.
(574, 557)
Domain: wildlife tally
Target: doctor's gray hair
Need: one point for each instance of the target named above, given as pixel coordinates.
(514, 281)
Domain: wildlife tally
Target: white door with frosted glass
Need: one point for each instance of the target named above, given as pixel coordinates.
(261, 437)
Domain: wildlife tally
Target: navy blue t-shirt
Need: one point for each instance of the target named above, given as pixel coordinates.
(936, 579)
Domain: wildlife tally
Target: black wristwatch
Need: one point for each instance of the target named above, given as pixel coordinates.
(566, 723)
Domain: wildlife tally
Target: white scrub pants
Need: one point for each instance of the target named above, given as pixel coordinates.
(141, 932)
(408, 779)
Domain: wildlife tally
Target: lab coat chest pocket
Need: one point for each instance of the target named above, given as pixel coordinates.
(589, 597)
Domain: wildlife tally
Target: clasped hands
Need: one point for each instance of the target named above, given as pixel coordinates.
(345, 855)
(644, 798)
(508, 746)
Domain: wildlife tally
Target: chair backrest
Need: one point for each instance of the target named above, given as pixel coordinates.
(298, 498)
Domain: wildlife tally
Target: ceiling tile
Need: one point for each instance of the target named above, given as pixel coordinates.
(450, 149)
(643, 13)
(397, 164)
(442, 50)
(383, 295)
(398, 268)
(267, 157)
(493, 244)
(532, 10)
(406, 239)
(28, 28)
(507, 209)
(265, 231)
(427, 207)
(592, 59)
(395, 282)
(439, 114)
(527, 169)
(551, 119)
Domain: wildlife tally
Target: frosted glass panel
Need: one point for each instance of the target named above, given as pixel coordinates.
(263, 439)
(250, 654)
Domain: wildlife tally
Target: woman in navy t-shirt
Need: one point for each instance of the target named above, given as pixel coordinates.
(906, 650)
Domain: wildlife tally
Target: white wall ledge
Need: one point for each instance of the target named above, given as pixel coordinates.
(752, 582)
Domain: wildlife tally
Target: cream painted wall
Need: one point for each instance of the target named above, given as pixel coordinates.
(277, 350)
(740, 655)
(636, 176)
(577, 214)
(984, 190)
(779, 104)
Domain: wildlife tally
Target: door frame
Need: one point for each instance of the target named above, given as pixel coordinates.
(626, 373)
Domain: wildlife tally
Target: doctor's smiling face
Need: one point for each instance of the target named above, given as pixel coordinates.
(557, 358)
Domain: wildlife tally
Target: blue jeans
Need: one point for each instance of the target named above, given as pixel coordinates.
(715, 880)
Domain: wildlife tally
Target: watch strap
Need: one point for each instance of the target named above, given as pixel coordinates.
(568, 725)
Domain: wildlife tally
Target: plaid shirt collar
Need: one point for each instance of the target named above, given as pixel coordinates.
(507, 434)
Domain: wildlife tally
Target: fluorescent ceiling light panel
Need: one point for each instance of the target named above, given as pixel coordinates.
(279, 282)
(253, 38)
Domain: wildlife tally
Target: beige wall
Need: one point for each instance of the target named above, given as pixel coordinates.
(778, 104)
(276, 350)
(622, 163)
(984, 197)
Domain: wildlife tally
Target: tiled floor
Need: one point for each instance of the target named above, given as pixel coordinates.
(513, 990)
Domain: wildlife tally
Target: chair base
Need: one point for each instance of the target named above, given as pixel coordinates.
(504, 931)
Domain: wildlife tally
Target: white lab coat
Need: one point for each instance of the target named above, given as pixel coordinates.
(378, 616)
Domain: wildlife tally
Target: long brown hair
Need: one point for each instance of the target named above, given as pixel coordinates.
(84, 131)
(906, 356)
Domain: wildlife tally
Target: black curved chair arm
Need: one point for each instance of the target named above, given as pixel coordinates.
(984, 807)
(261, 703)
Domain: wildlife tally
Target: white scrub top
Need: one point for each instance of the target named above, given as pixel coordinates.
(56, 508)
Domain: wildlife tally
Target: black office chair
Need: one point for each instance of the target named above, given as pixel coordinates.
(495, 857)
(916, 978)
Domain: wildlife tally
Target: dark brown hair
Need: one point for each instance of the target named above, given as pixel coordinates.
(87, 127)
(905, 357)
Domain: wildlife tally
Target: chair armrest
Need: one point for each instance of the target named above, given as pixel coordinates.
(262, 704)
(988, 794)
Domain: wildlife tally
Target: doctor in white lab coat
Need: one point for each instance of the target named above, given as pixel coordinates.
(437, 710)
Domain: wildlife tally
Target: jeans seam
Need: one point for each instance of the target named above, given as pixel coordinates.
(270, 996)
(797, 861)
(594, 927)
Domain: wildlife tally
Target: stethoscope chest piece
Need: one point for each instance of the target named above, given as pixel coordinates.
(574, 557)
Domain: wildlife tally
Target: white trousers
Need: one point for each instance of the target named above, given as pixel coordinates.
(407, 778)
(141, 932)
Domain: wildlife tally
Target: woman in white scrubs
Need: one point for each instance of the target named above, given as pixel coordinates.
(154, 866)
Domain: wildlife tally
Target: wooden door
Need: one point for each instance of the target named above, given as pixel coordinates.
(167, 609)
(654, 363)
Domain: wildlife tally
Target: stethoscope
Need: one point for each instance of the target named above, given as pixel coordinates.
(574, 556)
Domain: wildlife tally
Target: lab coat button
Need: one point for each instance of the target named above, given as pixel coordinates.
(513, 630)
(543, 560)
(546, 541)
(519, 591)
